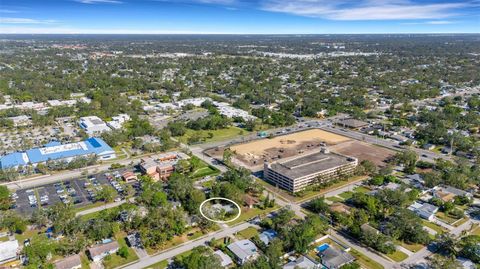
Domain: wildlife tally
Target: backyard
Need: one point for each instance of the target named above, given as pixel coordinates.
(116, 260)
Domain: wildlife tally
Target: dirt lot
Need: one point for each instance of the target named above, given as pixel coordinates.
(254, 153)
(364, 151)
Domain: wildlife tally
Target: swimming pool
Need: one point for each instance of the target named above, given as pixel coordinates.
(322, 247)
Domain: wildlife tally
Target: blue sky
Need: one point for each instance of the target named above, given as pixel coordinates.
(239, 16)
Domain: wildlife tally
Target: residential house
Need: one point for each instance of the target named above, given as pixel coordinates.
(267, 236)
(225, 260)
(249, 200)
(425, 211)
(428, 146)
(367, 228)
(466, 263)
(244, 251)
(334, 259)
(302, 262)
(8, 251)
(448, 193)
(71, 262)
(100, 251)
(340, 208)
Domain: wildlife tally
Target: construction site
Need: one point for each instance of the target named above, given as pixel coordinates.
(252, 155)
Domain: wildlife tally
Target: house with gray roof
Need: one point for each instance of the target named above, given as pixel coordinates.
(244, 250)
(334, 259)
(303, 262)
(71, 262)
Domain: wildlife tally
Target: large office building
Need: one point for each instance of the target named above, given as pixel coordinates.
(296, 173)
(55, 151)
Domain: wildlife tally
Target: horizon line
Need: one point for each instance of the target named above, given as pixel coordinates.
(179, 33)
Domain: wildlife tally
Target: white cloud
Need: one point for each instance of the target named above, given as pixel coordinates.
(430, 22)
(24, 21)
(68, 30)
(213, 2)
(364, 9)
(99, 1)
(8, 11)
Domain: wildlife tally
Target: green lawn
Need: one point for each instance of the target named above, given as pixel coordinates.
(460, 222)
(158, 265)
(434, 226)
(361, 189)
(475, 231)
(85, 261)
(218, 135)
(205, 171)
(445, 217)
(335, 199)
(252, 212)
(412, 247)
(115, 260)
(397, 256)
(365, 261)
(88, 206)
(208, 184)
(27, 234)
(346, 195)
(248, 233)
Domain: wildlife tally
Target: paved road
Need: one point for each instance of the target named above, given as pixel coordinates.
(170, 253)
(103, 207)
(65, 175)
(365, 251)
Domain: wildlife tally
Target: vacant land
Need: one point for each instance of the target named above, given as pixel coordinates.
(270, 149)
(248, 233)
(212, 135)
(363, 151)
(397, 256)
(158, 265)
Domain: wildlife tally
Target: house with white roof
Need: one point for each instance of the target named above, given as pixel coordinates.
(8, 251)
(425, 211)
(225, 260)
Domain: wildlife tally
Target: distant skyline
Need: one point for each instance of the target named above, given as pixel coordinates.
(238, 16)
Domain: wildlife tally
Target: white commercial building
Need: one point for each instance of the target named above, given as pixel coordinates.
(231, 112)
(117, 122)
(93, 125)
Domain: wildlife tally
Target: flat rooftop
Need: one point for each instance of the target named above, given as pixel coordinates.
(309, 163)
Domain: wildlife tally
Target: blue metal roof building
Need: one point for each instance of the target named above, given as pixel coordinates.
(56, 151)
(13, 160)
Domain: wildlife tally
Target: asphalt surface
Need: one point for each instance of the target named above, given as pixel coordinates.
(75, 189)
(170, 253)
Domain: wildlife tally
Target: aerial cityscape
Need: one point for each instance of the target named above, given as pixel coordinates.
(208, 134)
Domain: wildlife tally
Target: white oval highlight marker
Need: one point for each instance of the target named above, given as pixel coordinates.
(220, 221)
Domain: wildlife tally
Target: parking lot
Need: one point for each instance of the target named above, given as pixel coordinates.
(78, 192)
